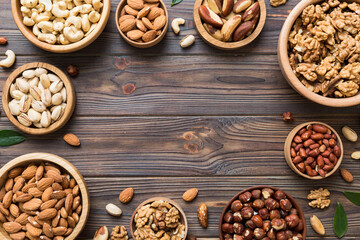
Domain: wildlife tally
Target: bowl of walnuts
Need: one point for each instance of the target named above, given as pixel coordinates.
(318, 51)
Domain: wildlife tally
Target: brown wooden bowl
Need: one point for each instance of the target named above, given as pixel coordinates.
(183, 219)
(287, 147)
(27, 31)
(26, 159)
(228, 45)
(292, 200)
(155, 41)
(70, 92)
(288, 72)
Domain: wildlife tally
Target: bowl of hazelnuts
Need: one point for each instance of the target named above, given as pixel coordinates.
(262, 212)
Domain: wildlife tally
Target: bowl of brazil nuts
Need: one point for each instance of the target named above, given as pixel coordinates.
(61, 26)
(262, 212)
(158, 218)
(38, 98)
(313, 150)
(43, 196)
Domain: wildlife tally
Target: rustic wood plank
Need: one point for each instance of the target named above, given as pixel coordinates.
(155, 146)
(182, 85)
(215, 192)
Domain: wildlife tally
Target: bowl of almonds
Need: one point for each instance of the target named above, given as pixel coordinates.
(38, 98)
(142, 23)
(43, 196)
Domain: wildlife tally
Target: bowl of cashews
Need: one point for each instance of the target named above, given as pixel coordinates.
(61, 26)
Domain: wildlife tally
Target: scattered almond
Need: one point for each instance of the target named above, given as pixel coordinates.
(190, 194)
(317, 225)
(346, 175)
(349, 134)
(72, 139)
(126, 195)
(203, 215)
(113, 210)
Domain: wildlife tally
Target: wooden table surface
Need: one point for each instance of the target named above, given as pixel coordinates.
(229, 102)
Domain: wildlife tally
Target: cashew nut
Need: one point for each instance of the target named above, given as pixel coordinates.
(28, 21)
(78, 2)
(97, 4)
(85, 23)
(86, 8)
(88, 1)
(94, 17)
(30, 3)
(91, 29)
(70, 5)
(25, 11)
(47, 3)
(175, 24)
(60, 10)
(63, 40)
(73, 34)
(58, 26)
(36, 30)
(76, 21)
(9, 61)
(75, 11)
(47, 37)
(46, 26)
(40, 7)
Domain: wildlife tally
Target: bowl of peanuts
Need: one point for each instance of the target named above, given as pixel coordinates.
(61, 26)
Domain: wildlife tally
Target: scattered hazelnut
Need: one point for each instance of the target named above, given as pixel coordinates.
(256, 194)
(190, 237)
(228, 217)
(292, 221)
(264, 213)
(238, 228)
(238, 217)
(278, 224)
(271, 204)
(247, 234)
(247, 212)
(274, 214)
(3, 41)
(245, 197)
(236, 206)
(72, 70)
(258, 204)
(267, 192)
(259, 233)
(257, 220)
(285, 204)
(278, 195)
(227, 228)
(288, 117)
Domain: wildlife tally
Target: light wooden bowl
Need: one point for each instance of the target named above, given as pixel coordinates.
(183, 219)
(26, 159)
(287, 147)
(292, 200)
(70, 92)
(155, 41)
(27, 31)
(228, 45)
(288, 72)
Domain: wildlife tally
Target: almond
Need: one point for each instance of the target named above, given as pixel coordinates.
(71, 222)
(72, 139)
(69, 202)
(22, 197)
(26, 187)
(56, 186)
(33, 222)
(2, 193)
(159, 22)
(125, 17)
(2, 218)
(154, 13)
(55, 175)
(346, 175)
(46, 196)
(190, 194)
(143, 12)
(126, 195)
(58, 195)
(44, 183)
(50, 167)
(33, 204)
(35, 192)
(48, 204)
(19, 184)
(12, 227)
(203, 215)
(39, 172)
(7, 199)
(59, 231)
(149, 36)
(47, 230)
(33, 231)
(22, 219)
(136, 4)
(63, 213)
(13, 173)
(127, 24)
(60, 204)
(317, 225)
(9, 184)
(101, 234)
(130, 10)
(14, 210)
(76, 202)
(29, 172)
(147, 23)
(3, 210)
(17, 236)
(63, 222)
(134, 34)
(140, 25)
(47, 214)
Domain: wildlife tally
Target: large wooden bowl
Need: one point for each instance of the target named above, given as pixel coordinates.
(155, 41)
(183, 219)
(27, 31)
(287, 147)
(70, 92)
(292, 200)
(288, 72)
(228, 45)
(24, 160)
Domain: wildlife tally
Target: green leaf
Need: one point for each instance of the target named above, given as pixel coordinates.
(353, 197)
(174, 2)
(10, 137)
(340, 221)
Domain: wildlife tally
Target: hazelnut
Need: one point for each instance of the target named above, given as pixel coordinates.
(227, 228)
(278, 195)
(271, 234)
(248, 204)
(259, 233)
(283, 213)
(238, 237)
(278, 224)
(238, 217)
(267, 192)
(238, 228)
(288, 234)
(228, 217)
(299, 227)
(256, 194)
(245, 197)
(247, 234)
(285, 204)
(236, 206)
(281, 235)
(267, 225)
(293, 211)
(3, 41)
(288, 117)
(292, 221)
(257, 220)
(298, 236)
(250, 224)
(228, 237)
(266, 238)
(258, 204)
(72, 70)
(264, 213)
(274, 214)
(247, 212)
(271, 204)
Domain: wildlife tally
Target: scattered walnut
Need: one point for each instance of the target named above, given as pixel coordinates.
(276, 3)
(119, 233)
(320, 198)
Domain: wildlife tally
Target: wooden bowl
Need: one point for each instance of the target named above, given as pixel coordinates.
(70, 92)
(183, 219)
(228, 45)
(288, 72)
(292, 200)
(27, 31)
(24, 160)
(287, 147)
(155, 41)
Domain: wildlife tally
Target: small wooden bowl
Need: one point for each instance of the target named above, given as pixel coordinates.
(292, 200)
(144, 44)
(70, 92)
(287, 147)
(26, 159)
(27, 31)
(183, 219)
(228, 45)
(288, 72)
